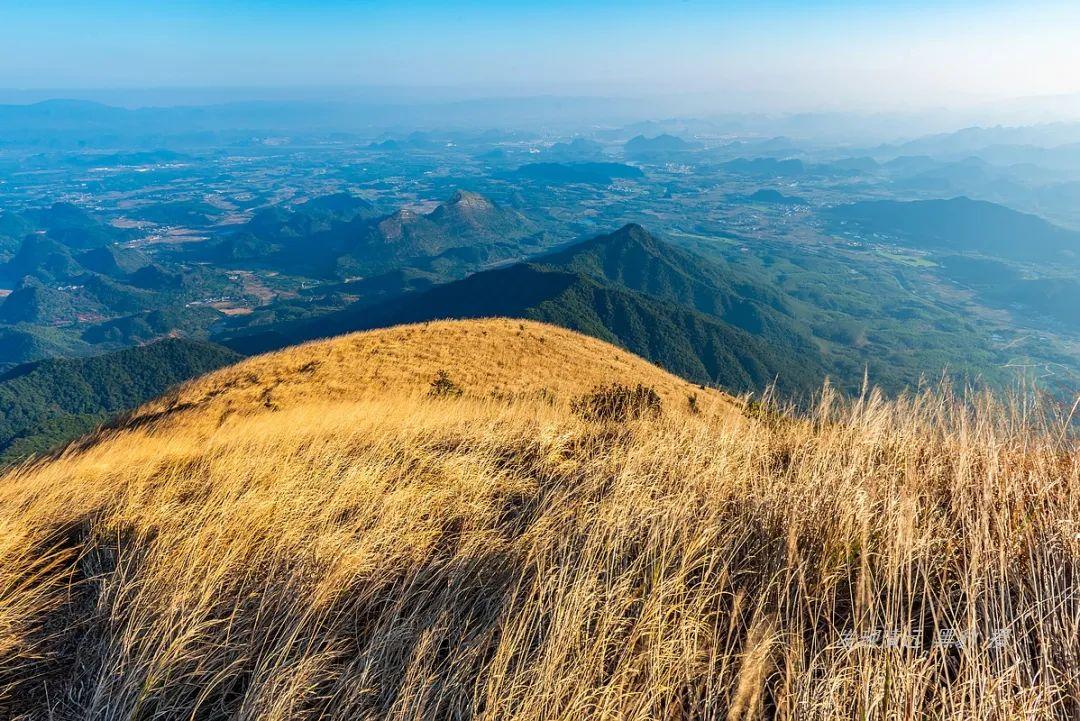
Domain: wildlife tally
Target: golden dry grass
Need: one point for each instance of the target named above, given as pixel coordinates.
(495, 358)
(347, 547)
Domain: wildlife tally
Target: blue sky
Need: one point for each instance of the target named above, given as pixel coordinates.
(824, 53)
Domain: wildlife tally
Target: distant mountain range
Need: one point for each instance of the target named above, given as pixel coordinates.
(340, 237)
(82, 123)
(644, 148)
(958, 224)
(578, 149)
(467, 223)
(693, 316)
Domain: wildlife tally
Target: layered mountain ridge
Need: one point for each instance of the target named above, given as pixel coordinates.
(691, 315)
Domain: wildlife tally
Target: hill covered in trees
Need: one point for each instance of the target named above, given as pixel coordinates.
(47, 403)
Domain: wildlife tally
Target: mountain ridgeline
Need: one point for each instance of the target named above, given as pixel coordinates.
(693, 316)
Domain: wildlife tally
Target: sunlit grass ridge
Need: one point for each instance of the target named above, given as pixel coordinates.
(310, 534)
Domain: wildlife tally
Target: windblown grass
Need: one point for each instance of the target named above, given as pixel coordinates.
(389, 555)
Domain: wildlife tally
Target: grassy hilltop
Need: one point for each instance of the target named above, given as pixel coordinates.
(332, 531)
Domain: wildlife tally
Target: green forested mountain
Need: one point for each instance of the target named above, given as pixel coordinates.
(13, 228)
(467, 223)
(49, 260)
(194, 213)
(634, 259)
(338, 206)
(146, 326)
(49, 402)
(33, 302)
(24, 344)
(41, 257)
(90, 294)
(76, 228)
(115, 261)
(679, 310)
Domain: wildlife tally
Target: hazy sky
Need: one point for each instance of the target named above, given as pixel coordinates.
(775, 55)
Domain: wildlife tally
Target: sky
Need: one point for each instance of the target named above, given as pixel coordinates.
(772, 55)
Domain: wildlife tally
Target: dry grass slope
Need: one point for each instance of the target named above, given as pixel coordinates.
(497, 358)
(309, 535)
